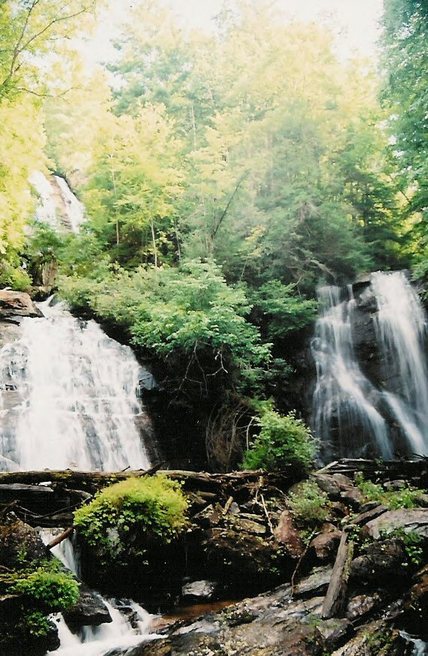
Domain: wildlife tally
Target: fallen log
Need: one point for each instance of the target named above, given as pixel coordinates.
(336, 594)
(60, 538)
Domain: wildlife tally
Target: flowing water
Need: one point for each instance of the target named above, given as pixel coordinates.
(68, 398)
(129, 626)
(57, 205)
(351, 414)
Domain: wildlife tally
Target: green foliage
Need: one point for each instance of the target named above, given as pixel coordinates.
(392, 499)
(405, 95)
(282, 308)
(138, 506)
(36, 624)
(282, 441)
(53, 590)
(14, 277)
(188, 311)
(412, 541)
(309, 504)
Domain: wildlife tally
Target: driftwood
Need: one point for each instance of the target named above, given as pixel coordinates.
(415, 469)
(49, 498)
(336, 593)
(60, 538)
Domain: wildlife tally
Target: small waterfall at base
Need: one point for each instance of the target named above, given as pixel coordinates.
(129, 625)
(353, 415)
(68, 398)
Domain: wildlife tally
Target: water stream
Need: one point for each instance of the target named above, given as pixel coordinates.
(353, 415)
(68, 398)
(129, 626)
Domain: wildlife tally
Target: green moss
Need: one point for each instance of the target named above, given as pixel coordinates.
(149, 505)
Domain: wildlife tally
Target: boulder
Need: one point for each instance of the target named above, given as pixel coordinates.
(197, 591)
(89, 610)
(415, 520)
(314, 584)
(326, 543)
(19, 542)
(384, 562)
(361, 605)
(287, 534)
(16, 304)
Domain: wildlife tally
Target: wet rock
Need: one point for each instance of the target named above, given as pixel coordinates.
(384, 562)
(367, 514)
(314, 584)
(16, 304)
(329, 485)
(353, 497)
(89, 610)
(361, 605)
(374, 639)
(287, 534)
(19, 542)
(326, 543)
(407, 519)
(198, 591)
(334, 631)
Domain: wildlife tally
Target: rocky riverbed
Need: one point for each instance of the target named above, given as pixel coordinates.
(349, 579)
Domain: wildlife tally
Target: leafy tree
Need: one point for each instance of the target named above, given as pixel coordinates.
(406, 97)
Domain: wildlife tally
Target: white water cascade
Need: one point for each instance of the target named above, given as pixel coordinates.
(129, 626)
(68, 398)
(353, 415)
(57, 206)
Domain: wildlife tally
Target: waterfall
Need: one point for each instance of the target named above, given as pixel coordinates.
(68, 398)
(57, 206)
(342, 394)
(356, 416)
(129, 624)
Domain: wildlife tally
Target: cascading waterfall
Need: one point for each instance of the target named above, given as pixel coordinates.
(401, 329)
(351, 412)
(57, 206)
(69, 398)
(129, 625)
(342, 393)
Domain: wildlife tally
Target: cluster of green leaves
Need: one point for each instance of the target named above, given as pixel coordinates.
(405, 95)
(407, 497)
(136, 507)
(412, 541)
(309, 504)
(282, 441)
(187, 311)
(53, 590)
(42, 587)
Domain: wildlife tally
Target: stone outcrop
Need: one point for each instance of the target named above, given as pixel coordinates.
(16, 305)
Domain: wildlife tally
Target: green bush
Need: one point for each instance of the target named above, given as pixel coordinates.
(55, 591)
(188, 311)
(14, 277)
(283, 440)
(407, 497)
(309, 504)
(154, 505)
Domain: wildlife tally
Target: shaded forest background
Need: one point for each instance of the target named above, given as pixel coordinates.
(225, 175)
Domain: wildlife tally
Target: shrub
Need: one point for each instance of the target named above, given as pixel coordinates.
(55, 591)
(392, 499)
(150, 505)
(14, 277)
(282, 441)
(309, 505)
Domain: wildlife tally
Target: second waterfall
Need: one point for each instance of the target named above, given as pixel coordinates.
(371, 400)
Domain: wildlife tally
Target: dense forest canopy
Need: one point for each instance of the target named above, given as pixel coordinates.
(225, 174)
